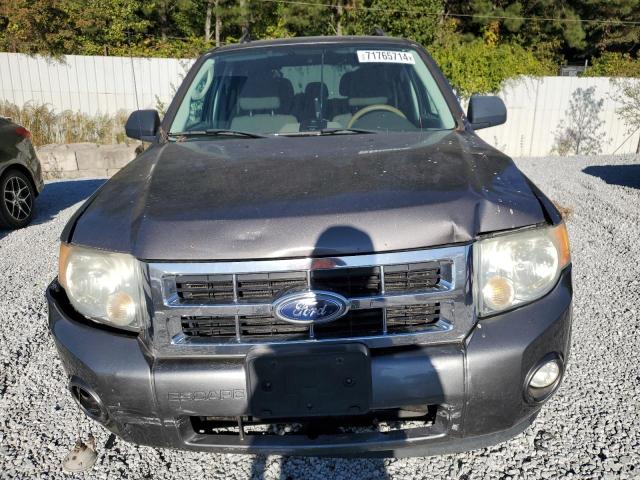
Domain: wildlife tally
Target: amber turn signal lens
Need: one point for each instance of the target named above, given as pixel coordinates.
(121, 309)
(498, 292)
(561, 237)
(63, 258)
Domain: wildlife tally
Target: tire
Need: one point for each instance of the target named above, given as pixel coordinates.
(17, 200)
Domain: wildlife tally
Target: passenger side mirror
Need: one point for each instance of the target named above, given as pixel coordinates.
(486, 111)
(143, 125)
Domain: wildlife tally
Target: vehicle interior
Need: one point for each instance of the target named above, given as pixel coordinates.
(289, 91)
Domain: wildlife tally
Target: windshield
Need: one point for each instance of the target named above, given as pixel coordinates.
(294, 90)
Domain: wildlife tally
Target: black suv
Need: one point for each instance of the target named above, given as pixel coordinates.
(316, 241)
(20, 175)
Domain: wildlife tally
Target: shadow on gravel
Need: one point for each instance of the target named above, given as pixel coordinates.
(293, 468)
(623, 175)
(58, 196)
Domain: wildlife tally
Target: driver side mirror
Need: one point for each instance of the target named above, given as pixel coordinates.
(143, 125)
(486, 111)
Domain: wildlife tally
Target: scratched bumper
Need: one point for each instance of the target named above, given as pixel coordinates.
(477, 386)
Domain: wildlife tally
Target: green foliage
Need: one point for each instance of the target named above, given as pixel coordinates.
(505, 19)
(476, 67)
(36, 26)
(614, 64)
(415, 19)
(47, 126)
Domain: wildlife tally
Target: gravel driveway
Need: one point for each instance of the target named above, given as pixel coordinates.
(590, 429)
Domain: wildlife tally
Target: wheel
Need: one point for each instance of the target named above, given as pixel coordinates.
(16, 200)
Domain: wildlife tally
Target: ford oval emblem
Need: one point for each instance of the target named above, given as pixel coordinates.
(311, 307)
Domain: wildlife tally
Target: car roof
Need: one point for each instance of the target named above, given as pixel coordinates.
(315, 41)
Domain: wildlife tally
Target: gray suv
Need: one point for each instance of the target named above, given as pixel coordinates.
(20, 175)
(316, 256)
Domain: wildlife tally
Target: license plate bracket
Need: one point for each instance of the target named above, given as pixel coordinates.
(308, 381)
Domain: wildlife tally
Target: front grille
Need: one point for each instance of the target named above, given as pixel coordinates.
(250, 326)
(394, 298)
(205, 288)
(248, 287)
(349, 282)
(356, 323)
(411, 277)
(411, 318)
(266, 286)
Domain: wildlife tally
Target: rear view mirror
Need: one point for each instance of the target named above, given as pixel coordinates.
(143, 125)
(486, 111)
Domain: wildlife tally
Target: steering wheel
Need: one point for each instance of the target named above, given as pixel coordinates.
(372, 108)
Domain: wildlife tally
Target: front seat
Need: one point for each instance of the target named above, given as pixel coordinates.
(258, 107)
(363, 87)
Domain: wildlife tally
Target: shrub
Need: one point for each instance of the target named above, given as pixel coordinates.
(614, 64)
(476, 67)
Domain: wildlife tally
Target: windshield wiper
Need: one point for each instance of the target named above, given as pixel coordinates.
(326, 131)
(217, 132)
(339, 130)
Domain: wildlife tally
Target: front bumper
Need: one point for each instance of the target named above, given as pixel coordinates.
(477, 386)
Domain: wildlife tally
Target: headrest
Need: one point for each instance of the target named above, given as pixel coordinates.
(260, 94)
(345, 83)
(365, 101)
(259, 103)
(285, 88)
(364, 83)
(316, 90)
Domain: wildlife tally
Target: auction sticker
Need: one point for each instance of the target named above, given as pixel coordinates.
(385, 56)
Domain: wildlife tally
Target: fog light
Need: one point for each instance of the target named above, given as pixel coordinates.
(546, 375)
(87, 400)
(544, 378)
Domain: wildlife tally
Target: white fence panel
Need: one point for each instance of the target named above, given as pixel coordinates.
(92, 85)
(104, 85)
(537, 108)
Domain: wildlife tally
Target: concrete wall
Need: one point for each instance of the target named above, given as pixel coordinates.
(84, 160)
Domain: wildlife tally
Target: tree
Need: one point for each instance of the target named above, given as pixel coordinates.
(612, 35)
(105, 25)
(36, 26)
(418, 20)
(580, 133)
(628, 97)
(174, 17)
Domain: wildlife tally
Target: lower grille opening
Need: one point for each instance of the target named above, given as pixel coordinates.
(381, 421)
(356, 323)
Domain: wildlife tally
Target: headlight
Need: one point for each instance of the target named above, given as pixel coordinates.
(517, 268)
(102, 286)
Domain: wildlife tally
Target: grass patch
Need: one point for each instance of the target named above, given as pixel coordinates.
(565, 212)
(47, 126)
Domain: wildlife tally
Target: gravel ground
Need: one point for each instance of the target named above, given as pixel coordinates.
(590, 429)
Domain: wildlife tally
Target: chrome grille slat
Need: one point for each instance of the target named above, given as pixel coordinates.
(420, 296)
(382, 292)
(312, 332)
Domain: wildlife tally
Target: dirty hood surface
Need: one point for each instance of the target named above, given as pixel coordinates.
(228, 199)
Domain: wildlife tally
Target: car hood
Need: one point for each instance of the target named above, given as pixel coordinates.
(231, 199)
